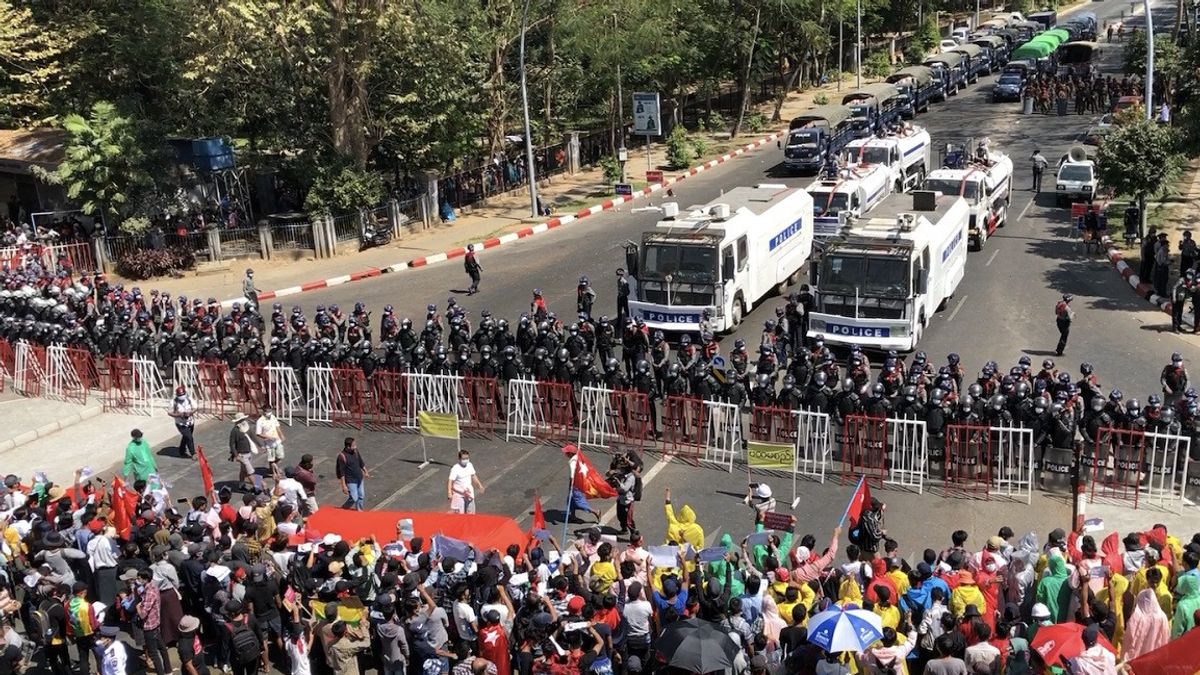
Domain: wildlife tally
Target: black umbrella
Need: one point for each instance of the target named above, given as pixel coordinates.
(696, 646)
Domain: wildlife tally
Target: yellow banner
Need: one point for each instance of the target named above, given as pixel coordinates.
(438, 425)
(769, 455)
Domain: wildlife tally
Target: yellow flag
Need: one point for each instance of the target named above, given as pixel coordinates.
(438, 425)
(770, 455)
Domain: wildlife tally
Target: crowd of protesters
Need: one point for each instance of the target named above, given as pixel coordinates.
(120, 580)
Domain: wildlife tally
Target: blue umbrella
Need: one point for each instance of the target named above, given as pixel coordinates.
(840, 629)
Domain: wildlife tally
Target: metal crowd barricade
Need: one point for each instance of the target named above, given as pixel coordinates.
(187, 375)
(523, 416)
(85, 367)
(283, 391)
(214, 377)
(7, 362)
(557, 403)
(684, 425)
(388, 399)
(29, 368)
(1012, 455)
(864, 449)
(251, 389)
(433, 393)
(723, 433)
(132, 385)
(483, 405)
(968, 460)
(631, 419)
(1119, 465)
(117, 383)
(1166, 458)
(908, 452)
(62, 380)
(350, 393)
(812, 443)
(595, 428)
(772, 425)
(320, 395)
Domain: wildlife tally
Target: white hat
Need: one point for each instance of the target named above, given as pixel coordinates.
(802, 553)
(240, 417)
(330, 539)
(762, 491)
(1040, 611)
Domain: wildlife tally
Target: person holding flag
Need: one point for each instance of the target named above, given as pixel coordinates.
(586, 482)
(866, 520)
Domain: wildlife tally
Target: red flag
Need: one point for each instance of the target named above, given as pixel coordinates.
(589, 481)
(1177, 657)
(860, 501)
(205, 471)
(121, 518)
(493, 646)
(539, 518)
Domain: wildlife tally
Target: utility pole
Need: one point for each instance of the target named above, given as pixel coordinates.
(529, 169)
(858, 46)
(841, 53)
(620, 108)
(976, 25)
(1149, 60)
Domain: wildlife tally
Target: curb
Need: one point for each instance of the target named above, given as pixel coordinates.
(509, 238)
(1140, 287)
(50, 428)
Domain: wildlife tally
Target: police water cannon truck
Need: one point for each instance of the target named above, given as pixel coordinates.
(879, 286)
(706, 268)
(906, 152)
(846, 195)
(985, 182)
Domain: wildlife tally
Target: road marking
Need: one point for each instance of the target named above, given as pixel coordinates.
(512, 465)
(611, 513)
(961, 301)
(1021, 216)
(991, 258)
(405, 490)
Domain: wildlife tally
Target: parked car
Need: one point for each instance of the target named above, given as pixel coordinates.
(1010, 87)
(947, 45)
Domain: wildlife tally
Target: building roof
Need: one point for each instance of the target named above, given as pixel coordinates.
(21, 147)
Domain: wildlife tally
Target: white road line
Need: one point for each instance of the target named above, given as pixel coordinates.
(991, 258)
(961, 301)
(407, 488)
(611, 513)
(1021, 216)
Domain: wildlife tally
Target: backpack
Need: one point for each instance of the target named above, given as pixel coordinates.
(245, 644)
(40, 628)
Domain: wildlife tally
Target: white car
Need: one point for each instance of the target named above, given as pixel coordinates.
(1076, 182)
(960, 34)
(947, 45)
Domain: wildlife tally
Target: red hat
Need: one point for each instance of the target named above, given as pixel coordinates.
(96, 526)
(570, 449)
(781, 574)
(575, 605)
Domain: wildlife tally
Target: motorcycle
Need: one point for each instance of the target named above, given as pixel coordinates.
(374, 236)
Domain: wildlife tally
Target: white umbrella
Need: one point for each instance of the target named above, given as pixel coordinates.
(844, 630)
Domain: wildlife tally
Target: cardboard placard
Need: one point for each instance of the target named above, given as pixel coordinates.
(776, 521)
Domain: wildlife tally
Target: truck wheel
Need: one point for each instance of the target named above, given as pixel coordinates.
(739, 311)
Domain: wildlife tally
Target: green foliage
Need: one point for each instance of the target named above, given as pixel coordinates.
(1168, 56)
(31, 67)
(820, 98)
(700, 147)
(343, 188)
(714, 123)
(877, 65)
(914, 53)
(679, 149)
(1139, 158)
(754, 122)
(929, 36)
(106, 168)
(135, 225)
(611, 168)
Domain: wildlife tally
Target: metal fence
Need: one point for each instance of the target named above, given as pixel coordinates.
(297, 236)
(502, 174)
(409, 213)
(240, 241)
(346, 227)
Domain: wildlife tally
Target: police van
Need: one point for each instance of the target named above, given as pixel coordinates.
(880, 285)
(852, 193)
(986, 184)
(905, 152)
(723, 257)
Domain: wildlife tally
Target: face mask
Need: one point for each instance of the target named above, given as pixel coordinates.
(242, 426)
(462, 462)
(990, 568)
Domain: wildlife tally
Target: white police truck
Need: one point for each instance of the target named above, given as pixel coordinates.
(986, 183)
(851, 194)
(723, 257)
(905, 152)
(880, 285)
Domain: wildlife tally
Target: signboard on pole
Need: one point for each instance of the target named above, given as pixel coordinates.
(654, 176)
(622, 189)
(647, 120)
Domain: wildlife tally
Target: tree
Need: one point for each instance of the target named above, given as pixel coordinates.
(31, 67)
(1139, 158)
(105, 168)
(1168, 57)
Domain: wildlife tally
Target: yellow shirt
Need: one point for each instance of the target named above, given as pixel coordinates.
(888, 616)
(606, 571)
(899, 578)
(1139, 580)
(849, 592)
(785, 611)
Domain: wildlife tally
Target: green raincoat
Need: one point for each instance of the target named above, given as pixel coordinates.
(1188, 590)
(139, 460)
(1054, 590)
(722, 570)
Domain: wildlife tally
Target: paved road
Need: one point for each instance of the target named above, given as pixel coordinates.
(1002, 309)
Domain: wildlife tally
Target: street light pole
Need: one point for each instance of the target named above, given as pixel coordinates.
(976, 26)
(620, 108)
(529, 170)
(1149, 60)
(858, 46)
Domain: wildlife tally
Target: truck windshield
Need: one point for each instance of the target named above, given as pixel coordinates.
(868, 276)
(802, 139)
(1075, 172)
(687, 264)
(869, 155)
(823, 204)
(952, 186)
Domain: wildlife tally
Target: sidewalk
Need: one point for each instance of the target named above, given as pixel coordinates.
(502, 220)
